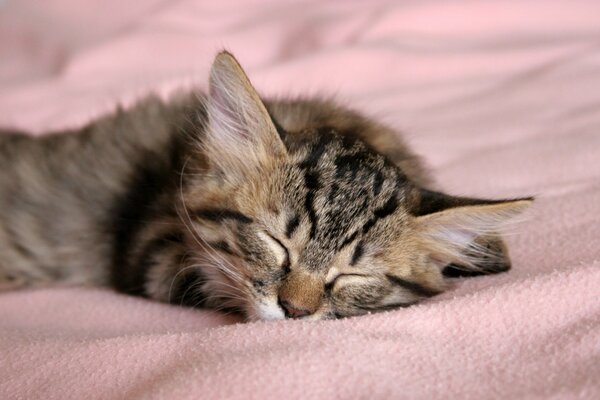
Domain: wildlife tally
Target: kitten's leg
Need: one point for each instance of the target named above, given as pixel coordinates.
(160, 268)
(490, 255)
(173, 278)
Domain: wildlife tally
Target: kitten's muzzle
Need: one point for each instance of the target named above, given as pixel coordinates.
(301, 294)
(292, 311)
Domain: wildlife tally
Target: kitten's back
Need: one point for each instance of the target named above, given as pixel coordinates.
(59, 191)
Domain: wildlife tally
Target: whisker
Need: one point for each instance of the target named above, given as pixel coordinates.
(175, 278)
(216, 257)
(211, 258)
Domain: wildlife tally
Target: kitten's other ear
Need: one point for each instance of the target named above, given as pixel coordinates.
(241, 133)
(450, 224)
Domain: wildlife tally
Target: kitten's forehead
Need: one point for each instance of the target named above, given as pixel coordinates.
(348, 188)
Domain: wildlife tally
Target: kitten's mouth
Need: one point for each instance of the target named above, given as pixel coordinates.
(272, 310)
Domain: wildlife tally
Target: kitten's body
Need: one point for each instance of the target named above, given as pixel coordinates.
(67, 199)
(121, 202)
(74, 204)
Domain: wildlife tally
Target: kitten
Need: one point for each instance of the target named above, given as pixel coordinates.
(276, 209)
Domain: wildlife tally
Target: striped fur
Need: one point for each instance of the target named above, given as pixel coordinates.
(287, 208)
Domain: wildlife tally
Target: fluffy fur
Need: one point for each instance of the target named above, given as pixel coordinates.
(287, 208)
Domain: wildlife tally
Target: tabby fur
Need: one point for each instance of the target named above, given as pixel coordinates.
(296, 208)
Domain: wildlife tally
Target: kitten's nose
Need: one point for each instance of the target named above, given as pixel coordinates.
(292, 311)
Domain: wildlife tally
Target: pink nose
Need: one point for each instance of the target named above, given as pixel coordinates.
(291, 311)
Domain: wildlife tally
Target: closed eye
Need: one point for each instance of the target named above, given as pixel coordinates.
(329, 285)
(282, 253)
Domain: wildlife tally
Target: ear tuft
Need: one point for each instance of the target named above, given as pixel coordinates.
(449, 234)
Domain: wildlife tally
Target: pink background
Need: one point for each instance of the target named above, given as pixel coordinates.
(502, 99)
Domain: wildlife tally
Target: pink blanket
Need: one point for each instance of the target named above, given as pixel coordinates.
(502, 98)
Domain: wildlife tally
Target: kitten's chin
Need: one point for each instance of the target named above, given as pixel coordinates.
(265, 311)
(271, 311)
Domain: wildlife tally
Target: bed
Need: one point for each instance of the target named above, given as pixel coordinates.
(502, 99)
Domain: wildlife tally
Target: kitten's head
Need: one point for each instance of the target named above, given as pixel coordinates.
(315, 224)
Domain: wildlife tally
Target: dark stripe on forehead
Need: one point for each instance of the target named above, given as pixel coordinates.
(358, 252)
(318, 148)
(348, 240)
(333, 192)
(351, 163)
(377, 182)
(416, 288)
(387, 209)
(220, 214)
(401, 180)
(292, 225)
(311, 181)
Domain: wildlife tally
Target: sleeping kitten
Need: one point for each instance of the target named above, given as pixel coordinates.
(276, 209)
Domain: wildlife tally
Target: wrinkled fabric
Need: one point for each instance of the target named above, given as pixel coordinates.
(502, 99)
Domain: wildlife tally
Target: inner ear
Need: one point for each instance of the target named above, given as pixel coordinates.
(237, 115)
(449, 225)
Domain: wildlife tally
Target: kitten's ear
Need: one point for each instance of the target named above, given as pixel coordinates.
(449, 225)
(241, 133)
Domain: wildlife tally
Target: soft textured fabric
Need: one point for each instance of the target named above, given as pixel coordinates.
(501, 98)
